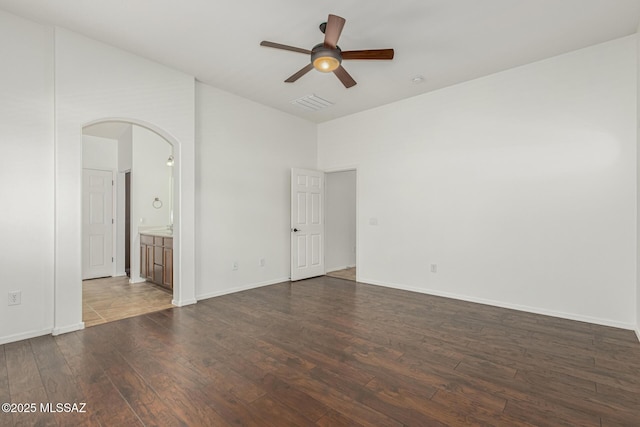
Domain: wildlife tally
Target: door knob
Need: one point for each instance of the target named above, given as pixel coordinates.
(295, 230)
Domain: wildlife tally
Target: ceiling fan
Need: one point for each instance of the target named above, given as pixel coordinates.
(327, 57)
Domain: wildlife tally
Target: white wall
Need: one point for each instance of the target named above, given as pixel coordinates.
(26, 177)
(340, 228)
(150, 178)
(244, 155)
(99, 153)
(125, 150)
(96, 82)
(520, 186)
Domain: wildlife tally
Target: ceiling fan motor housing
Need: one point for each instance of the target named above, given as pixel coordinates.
(325, 59)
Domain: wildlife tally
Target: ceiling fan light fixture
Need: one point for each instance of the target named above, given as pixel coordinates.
(325, 60)
(326, 64)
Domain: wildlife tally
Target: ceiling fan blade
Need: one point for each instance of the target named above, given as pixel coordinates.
(332, 32)
(368, 54)
(299, 74)
(344, 77)
(284, 47)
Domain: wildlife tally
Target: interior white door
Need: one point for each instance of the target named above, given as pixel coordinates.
(97, 223)
(307, 223)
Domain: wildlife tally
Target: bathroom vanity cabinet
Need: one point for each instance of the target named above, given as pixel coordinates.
(156, 259)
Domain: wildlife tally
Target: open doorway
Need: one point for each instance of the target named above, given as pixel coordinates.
(139, 166)
(340, 228)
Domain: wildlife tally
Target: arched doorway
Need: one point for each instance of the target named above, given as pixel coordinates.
(67, 291)
(128, 188)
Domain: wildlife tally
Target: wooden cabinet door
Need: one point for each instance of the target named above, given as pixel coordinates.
(167, 278)
(157, 274)
(150, 265)
(158, 259)
(143, 260)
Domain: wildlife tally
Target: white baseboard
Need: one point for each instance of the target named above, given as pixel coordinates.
(67, 329)
(528, 309)
(24, 336)
(182, 303)
(240, 288)
(638, 332)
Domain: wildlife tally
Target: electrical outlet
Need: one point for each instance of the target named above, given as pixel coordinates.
(262, 262)
(15, 298)
(235, 265)
(434, 268)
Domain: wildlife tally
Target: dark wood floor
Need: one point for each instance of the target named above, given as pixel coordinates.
(329, 352)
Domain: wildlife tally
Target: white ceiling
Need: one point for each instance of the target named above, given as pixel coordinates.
(446, 41)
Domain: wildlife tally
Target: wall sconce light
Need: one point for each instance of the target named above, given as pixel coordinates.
(170, 161)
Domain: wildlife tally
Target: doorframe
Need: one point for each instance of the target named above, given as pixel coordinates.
(127, 221)
(347, 169)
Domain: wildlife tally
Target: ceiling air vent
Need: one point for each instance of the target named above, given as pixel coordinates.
(312, 103)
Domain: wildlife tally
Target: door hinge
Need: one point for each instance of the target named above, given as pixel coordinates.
(112, 221)
(112, 183)
(111, 259)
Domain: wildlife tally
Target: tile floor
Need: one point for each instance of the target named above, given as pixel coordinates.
(347, 273)
(114, 298)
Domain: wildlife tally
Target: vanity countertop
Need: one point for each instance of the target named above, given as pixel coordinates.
(158, 233)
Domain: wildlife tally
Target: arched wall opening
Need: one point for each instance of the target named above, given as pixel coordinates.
(70, 263)
(140, 198)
